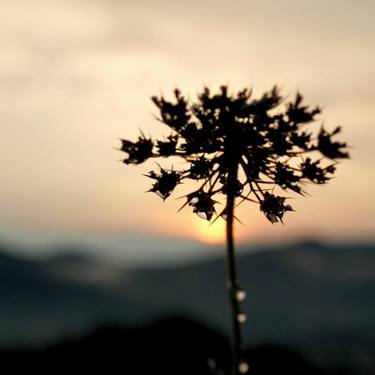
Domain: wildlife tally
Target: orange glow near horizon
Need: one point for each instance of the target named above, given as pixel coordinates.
(210, 233)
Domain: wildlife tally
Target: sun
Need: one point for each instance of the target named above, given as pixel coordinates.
(210, 233)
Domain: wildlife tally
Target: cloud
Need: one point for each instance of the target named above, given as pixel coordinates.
(75, 76)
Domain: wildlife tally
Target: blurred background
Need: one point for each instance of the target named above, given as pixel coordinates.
(89, 263)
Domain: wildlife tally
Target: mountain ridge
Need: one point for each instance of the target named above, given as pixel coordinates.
(317, 297)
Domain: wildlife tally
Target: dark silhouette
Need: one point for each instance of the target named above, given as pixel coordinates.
(170, 346)
(242, 148)
(310, 297)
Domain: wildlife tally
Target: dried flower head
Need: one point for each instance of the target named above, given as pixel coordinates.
(267, 140)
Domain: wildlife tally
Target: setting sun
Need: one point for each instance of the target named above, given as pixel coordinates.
(210, 233)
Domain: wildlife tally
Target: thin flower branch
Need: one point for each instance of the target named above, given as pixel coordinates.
(243, 148)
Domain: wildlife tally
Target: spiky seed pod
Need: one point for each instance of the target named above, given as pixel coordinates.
(203, 205)
(274, 207)
(165, 182)
(139, 151)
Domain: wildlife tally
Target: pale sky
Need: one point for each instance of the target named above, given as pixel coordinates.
(77, 75)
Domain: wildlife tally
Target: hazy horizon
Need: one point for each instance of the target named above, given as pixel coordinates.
(136, 249)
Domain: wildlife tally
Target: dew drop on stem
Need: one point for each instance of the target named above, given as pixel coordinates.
(241, 317)
(240, 294)
(243, 368)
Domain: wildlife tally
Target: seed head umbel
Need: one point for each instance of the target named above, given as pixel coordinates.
(270, 140)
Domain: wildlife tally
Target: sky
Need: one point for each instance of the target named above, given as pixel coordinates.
(75, 76)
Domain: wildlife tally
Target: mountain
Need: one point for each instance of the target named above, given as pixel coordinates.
(167, 346)
(42, 299)
(315, 297)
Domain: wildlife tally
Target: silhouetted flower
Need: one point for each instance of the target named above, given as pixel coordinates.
(165, 182)
(312, 171)
(200, 168)
(203, 205)
(274, 207)
(264, 139)
(168, 147)
(138, 152)
(242, 148)
(331, 149)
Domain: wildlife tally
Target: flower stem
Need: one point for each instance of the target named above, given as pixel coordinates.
(232, 273)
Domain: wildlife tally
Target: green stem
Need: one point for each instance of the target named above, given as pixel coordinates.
(236, 339)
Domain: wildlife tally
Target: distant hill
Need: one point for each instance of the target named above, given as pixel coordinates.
(311, 296)
(169, 346)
